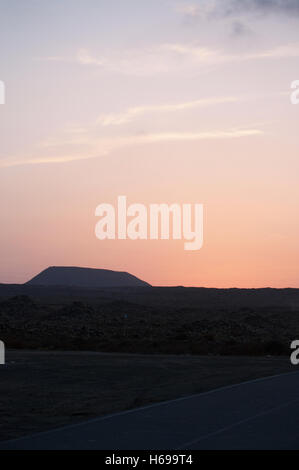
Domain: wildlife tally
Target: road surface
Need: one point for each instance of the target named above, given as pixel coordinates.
(260, 414)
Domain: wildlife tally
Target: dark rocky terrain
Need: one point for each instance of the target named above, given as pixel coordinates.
(150, 320)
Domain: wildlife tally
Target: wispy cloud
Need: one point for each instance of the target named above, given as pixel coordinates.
(132, 113)
(101, 147)
(189, 9)
(170, 58)
(237, 13)
(85, 58)
(11, 162)
(199, 54)
(208, 9)
(200, 10)
(288, 7)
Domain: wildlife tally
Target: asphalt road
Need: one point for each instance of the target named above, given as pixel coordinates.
(260, 414)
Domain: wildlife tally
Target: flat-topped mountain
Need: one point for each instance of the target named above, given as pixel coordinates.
(85, 277)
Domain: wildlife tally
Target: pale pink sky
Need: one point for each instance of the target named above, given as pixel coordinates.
(169, 102)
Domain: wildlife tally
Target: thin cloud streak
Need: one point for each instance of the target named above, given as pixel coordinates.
(132, 113)
(167, 58)
(213, 57)
(103, 147)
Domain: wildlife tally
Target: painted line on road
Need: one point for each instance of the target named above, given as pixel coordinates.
(237, 423)
(147, 407)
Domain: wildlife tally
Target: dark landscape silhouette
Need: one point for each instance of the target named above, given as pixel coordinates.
(181, 341)
(85, 277)
(99, 310)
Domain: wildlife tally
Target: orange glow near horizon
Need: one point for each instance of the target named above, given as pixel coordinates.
(250, 228)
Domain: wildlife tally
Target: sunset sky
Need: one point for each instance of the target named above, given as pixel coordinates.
(163, 101)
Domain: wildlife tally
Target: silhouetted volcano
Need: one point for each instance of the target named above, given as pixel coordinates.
(85, 277)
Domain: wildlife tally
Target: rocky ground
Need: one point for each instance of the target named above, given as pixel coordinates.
(180, 322)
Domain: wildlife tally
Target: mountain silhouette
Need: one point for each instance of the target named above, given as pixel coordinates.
(85, 277)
